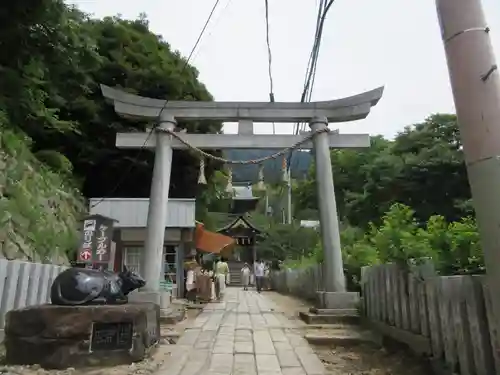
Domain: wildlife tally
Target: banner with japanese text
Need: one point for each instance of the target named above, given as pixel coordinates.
(97, 233)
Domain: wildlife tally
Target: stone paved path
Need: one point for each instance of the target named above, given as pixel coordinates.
(242, 335)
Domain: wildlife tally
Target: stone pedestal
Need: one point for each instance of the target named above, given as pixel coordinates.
(333, 308)
(80, 336)
(337, 300)
(161, 298)
(145, 297)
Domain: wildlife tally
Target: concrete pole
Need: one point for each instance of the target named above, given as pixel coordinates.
(476, 90)
(334, 279)
(152, 256)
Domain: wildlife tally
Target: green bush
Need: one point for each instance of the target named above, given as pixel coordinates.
(55, 160)
(453, 247)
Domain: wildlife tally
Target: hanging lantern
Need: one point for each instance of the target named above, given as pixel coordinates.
(202, 180)
(260, 185)
(229, 186)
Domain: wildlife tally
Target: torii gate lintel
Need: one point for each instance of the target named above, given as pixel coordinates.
(352, 108)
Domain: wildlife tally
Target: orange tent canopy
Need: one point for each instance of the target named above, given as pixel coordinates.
(211, 242)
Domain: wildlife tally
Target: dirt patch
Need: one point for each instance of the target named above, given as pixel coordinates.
(362, 359)
(368, 360)
(169, 333)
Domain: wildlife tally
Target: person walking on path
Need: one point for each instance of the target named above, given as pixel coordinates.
(245, 276)
(191, 282)
(221, 277)
(259, 274)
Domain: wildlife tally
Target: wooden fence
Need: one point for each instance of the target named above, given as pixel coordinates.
(300, 282)
(448, 318)
(24, 284)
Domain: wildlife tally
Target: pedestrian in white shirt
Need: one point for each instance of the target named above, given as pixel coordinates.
(245, 276)
(259, 274)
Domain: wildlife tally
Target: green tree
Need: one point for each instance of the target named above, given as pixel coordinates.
(287, 242)
(49, 88)
(422, 167)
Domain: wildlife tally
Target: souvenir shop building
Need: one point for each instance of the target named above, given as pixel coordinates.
(129, 233)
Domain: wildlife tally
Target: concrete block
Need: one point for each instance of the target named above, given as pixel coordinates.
(141, 297)
(338, 300)
(288, 358)
(34, 284)
(267, 363)
(337, 318)
(165, 300)
(23, 285)
(43, 291)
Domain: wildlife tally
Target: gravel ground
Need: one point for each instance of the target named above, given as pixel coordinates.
(362, 359)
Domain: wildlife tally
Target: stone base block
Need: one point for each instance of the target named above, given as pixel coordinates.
(338, 312)
(337, 300)
(145, 297)
(321, 319)
(81, 336)
(172, 315)
(344, 339)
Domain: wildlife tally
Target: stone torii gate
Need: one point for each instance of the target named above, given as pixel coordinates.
(317, 114)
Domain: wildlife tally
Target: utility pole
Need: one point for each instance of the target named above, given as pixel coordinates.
(476, 91)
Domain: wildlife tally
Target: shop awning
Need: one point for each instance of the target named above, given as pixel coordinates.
(211, 242)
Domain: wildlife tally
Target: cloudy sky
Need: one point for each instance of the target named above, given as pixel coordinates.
(366, 44)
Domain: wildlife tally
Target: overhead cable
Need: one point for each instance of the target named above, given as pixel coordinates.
(269, 60)
(323, 9)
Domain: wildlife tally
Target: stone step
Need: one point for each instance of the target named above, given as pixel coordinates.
(172, 315)
(343, 337)
(315, 310)
(345, 317)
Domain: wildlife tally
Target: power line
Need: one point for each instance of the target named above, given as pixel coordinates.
(269, 53)
(136, 159)
(305, 96)
(323, 9)
(269, 59)
(214, 26)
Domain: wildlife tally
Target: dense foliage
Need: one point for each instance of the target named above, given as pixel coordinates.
(422, 168)
(40, 210)
(453, 247)
(55, 58)
(398, 200)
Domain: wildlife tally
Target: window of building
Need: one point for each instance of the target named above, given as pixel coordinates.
(132, 259)
(170, 264)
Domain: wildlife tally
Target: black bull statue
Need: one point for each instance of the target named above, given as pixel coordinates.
(80, 286)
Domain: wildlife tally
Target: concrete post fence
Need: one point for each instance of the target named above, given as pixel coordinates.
(24, 284)
(447, 319)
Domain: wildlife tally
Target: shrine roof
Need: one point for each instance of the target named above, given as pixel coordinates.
(231, 221)
(240, 221)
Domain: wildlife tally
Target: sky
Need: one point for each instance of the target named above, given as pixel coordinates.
(366, 44)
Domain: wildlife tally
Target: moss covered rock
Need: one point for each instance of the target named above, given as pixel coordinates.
(39, 208)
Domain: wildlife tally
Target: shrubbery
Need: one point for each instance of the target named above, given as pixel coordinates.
(454, 247)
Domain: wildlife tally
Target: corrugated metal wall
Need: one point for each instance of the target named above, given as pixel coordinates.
(133, 212)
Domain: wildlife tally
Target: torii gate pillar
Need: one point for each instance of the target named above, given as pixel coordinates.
(157, 214)
(334, 279)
